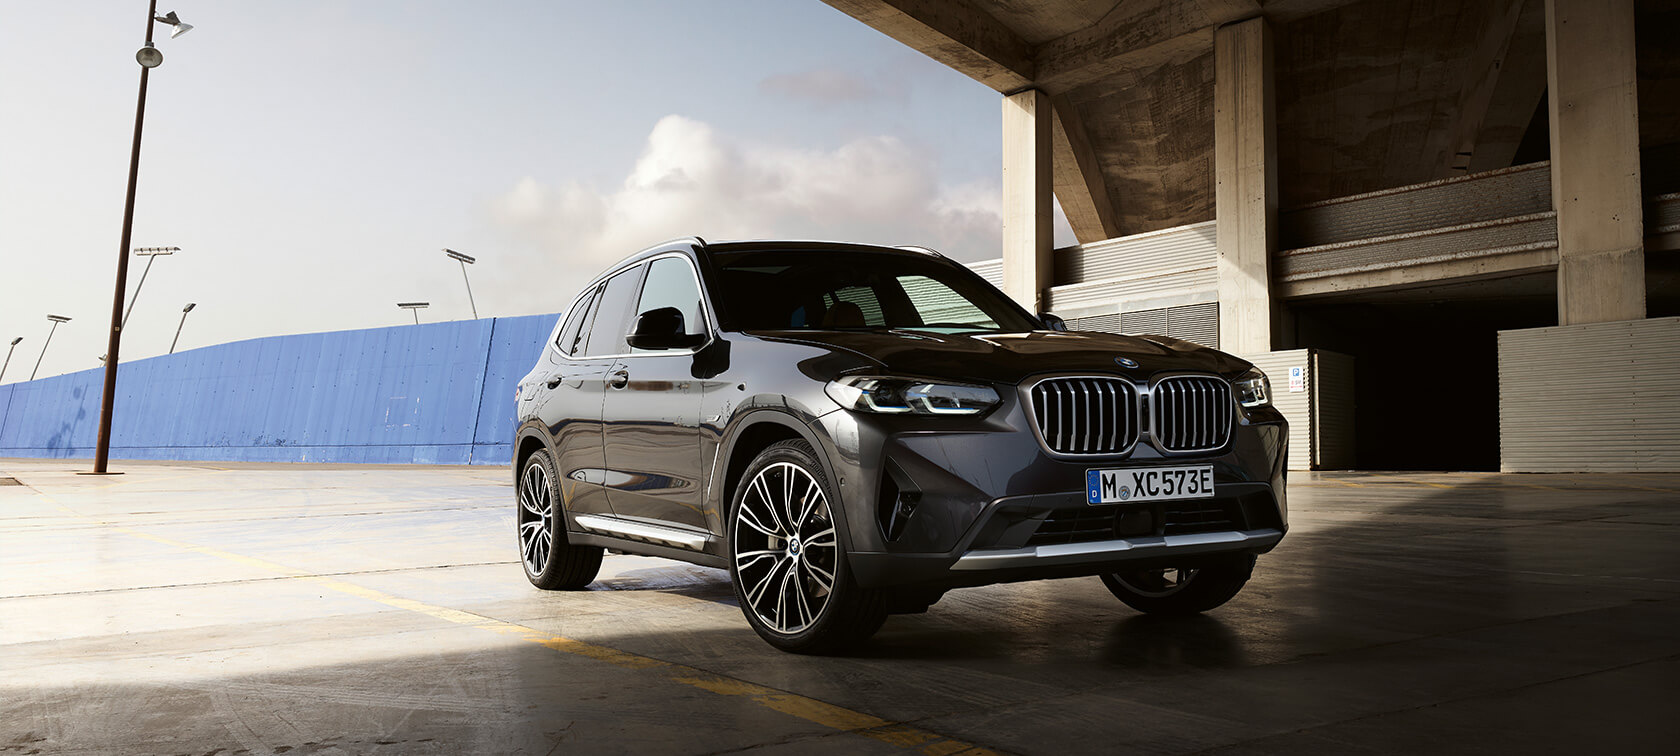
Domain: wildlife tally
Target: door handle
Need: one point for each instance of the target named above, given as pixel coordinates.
(554, 380)
(619, 379)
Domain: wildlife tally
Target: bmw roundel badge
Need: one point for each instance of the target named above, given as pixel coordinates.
(1126, 362)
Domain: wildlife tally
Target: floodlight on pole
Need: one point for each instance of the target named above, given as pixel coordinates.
(8, 362)
(56, 319)
(184, 311)
(465, 260)
(148, 57)
(414, 307)
(151, 254)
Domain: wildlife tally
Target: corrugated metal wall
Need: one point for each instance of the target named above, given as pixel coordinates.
(1155, 271)
(434, 393)
(1319, 407)
(1603, 397)
(1197, 322)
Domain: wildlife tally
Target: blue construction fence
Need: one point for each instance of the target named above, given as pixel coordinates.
(437, 393)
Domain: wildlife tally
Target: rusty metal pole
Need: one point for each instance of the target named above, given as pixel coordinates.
(102, 452)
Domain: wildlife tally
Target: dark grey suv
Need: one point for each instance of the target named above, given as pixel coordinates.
(853, 430)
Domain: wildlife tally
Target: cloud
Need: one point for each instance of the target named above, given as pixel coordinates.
(822, 85)
(692, 181)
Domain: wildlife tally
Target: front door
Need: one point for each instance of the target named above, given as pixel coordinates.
(652, 411)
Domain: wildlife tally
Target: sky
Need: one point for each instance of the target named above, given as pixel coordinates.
(312, 158)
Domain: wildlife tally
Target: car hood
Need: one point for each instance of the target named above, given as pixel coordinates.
(1013, 357)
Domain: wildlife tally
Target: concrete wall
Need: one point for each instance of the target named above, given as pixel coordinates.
(438, 393)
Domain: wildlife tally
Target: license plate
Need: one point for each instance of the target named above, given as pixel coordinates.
(1148, 484)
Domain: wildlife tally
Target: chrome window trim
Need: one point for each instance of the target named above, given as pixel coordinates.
(706, 313)
(1026, 396)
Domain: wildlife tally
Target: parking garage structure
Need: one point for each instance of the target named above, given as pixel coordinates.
(1447, 231)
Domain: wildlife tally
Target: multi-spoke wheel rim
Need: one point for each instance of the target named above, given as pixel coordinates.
(1157, 583)
(785, 551)
(536, 515)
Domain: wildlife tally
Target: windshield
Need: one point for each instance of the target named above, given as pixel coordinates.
(859, 290)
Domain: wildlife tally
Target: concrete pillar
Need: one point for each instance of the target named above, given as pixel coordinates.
(1027, 189)
(1595, 160)
(1246, 195)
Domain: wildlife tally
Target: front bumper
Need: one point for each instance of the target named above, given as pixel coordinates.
(946, 502)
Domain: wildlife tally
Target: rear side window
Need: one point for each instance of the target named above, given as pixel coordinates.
(612, 314)
(568, 340)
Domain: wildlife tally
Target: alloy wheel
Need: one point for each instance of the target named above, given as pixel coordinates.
(785, 547)
(536, 518)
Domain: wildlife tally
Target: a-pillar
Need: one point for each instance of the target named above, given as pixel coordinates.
(1594, 105)
(1245, 170)
(1027, 190)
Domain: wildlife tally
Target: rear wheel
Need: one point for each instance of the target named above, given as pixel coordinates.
(788, 560)
(550, 562)
(1181, 590)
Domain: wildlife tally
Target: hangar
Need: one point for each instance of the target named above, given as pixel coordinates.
(1447, 229)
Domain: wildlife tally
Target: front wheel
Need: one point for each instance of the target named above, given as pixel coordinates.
(788, 560)
(1181, 590)
(550, 562)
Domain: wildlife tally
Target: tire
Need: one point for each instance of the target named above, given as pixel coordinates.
(787, 557)
(1181, 590)
(550, 562)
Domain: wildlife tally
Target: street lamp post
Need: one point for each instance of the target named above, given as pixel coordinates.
(9, 357)
(184, 311)
(148, 57)
(151, 254)
(414, 307)
(56, 319)
(465, 260)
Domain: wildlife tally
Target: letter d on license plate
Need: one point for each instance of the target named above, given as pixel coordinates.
(1148, 484)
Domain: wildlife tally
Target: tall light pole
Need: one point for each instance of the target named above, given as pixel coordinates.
(184, 311)
(465, 260)
(56, 319)
(414, 307)
(151, 254)
(9, 357)
(148, 57)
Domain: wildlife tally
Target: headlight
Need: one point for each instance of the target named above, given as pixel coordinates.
(1253, 390)
(899, 396)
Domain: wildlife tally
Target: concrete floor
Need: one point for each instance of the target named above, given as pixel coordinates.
(230, 609)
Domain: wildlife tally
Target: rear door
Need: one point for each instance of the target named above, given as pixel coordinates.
(579, 366)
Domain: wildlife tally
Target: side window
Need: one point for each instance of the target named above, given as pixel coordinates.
(605, 334)
(937, 304)
(567, 343)
(670, 283)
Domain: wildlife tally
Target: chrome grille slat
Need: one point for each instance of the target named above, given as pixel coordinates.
(1192, 413)
(1086, 415)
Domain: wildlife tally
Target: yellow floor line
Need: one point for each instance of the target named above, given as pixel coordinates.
(792, 704)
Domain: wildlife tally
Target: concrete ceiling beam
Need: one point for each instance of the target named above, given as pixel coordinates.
(953, 32)
(1077, 176)
(1134, 35)
(1483, 72)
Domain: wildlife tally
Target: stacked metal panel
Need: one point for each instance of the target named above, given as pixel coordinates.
(1314, 390)
(1601, 397)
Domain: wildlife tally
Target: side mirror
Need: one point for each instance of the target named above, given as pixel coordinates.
(662, 328)
(1052, 322)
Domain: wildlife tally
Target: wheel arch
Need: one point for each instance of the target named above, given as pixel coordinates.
(755, 433)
